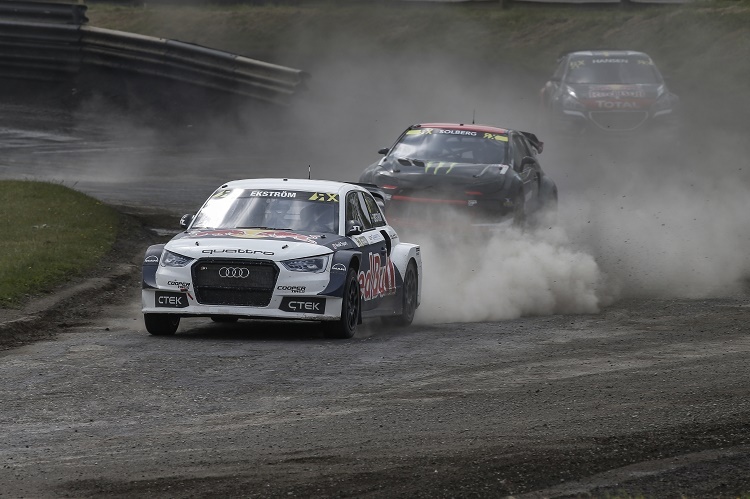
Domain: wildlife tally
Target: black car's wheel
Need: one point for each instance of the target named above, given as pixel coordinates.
(519, 212)
(224, 319)
(346, 326)
(161, 324)
(409, 299)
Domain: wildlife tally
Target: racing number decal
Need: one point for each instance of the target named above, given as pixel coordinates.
(326, 197)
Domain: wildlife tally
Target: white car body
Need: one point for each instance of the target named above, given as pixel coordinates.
(226, 271)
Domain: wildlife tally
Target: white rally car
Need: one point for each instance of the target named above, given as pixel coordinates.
(283, 249)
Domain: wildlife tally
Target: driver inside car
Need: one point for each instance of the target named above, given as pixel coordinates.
(317, 217)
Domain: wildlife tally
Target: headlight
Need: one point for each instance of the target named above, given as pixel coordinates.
(570, 101)
(169, 259)
(312, 264)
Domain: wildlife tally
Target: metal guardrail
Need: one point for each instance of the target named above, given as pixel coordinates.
(47, 12)
(57, 51)
(189, 63)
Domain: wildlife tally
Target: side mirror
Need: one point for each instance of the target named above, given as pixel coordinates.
(383, 150)
(186, 220)
(353, 228)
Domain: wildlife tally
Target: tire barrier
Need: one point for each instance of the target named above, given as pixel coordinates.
(56, 51)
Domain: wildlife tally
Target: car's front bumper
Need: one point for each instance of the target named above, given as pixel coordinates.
(292, 307)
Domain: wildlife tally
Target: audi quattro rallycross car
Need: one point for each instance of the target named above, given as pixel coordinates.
(485, 173)
(608, 91)
(283, 249)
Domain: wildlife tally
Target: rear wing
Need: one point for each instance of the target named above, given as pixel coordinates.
(376, 192)
(538, 144)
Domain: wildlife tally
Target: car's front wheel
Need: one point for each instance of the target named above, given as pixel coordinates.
(346, 326)
(161, 324)
(409, 299)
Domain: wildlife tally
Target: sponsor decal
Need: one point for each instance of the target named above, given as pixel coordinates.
(151, 259)
(339, 244)
(495, 136)
(615, 93)
(360, 240)
(292, 289)
(339, 267)
(457, 132)
(303, 305)
(273, 194)
(325, 197)
(608, 104)
(576, 64)
(254, 234)
(377, 217)
(179, 284)
(281, 234)
(222, 194)
(379, 280)
(164, 299)
(610, 61)
(238, 251)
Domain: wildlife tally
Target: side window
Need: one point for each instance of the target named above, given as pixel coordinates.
(373, 210)
(354, 210)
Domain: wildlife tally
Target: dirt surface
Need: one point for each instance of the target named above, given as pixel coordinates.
(648, 397)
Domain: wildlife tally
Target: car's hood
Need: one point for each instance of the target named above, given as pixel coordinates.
(617, 97)
(252, 243)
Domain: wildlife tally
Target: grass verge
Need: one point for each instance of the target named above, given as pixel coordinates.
(50, 234)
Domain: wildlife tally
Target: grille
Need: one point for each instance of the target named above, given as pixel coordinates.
(622, 121)
(248, 283)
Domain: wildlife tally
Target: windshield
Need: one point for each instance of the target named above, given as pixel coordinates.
(273, 209)
(459, 146)
(612, 70)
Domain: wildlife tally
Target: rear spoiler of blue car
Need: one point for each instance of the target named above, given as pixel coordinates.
(538, 144)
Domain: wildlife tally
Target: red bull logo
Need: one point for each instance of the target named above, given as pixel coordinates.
(379, 280)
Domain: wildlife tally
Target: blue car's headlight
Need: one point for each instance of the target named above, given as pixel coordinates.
(169, 259)
(312, 264)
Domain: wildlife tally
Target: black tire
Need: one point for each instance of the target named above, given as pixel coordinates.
(409, 296)
(519, 212)
(346, 326)
(161, 324)
(224, 319)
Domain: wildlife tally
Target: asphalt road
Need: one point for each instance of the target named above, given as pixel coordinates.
(640, 389)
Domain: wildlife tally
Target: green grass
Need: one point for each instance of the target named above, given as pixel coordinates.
(50, 233)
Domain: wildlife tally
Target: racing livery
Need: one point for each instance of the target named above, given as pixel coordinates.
(487, 174)
(608, 91)
(283, 249)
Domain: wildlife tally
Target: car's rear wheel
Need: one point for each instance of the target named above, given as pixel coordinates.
(409, 299)
(224, 319)
(161, 324)
(346, 326)
(519, 212)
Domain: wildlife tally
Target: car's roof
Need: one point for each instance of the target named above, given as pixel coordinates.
(462, 126)
(290, 184)
(607, 53)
